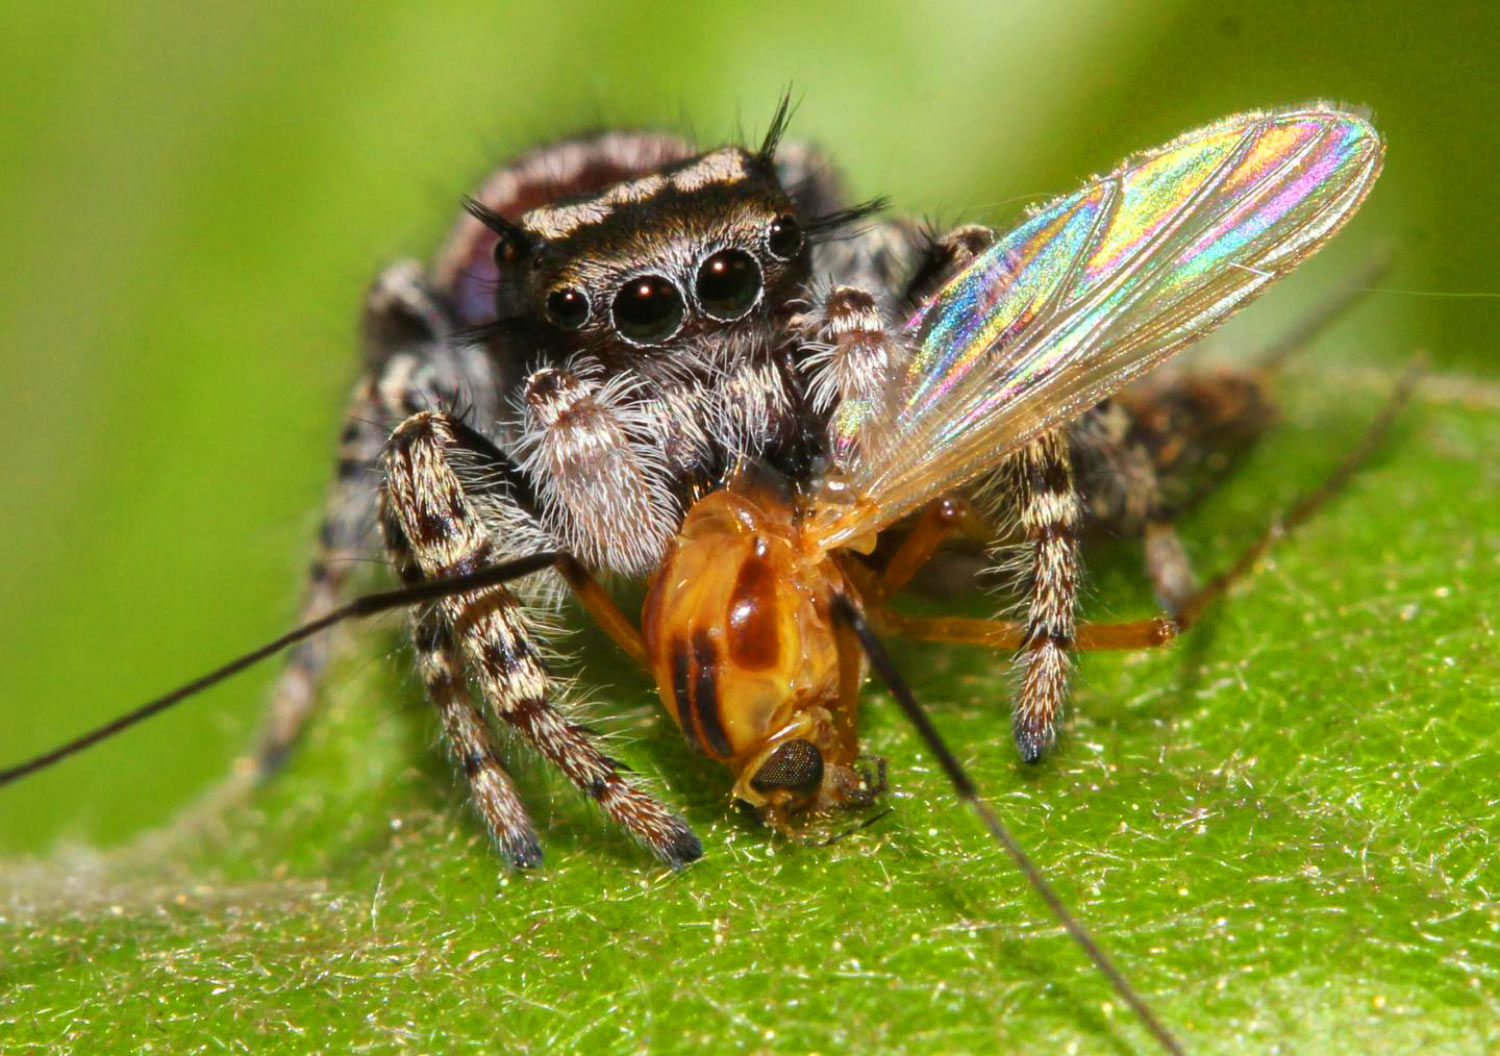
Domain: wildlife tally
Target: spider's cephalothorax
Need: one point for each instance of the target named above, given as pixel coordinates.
(650, 360)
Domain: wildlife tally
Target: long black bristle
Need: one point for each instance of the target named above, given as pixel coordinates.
(829, 223)
(779, 122)
(964, 785)
(502, 226)
(367, 605)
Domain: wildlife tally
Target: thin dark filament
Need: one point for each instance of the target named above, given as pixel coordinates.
(821, 225)
(369, 605)
(1325, 314)
(964, 786)
(829, 841)
(1309, 504)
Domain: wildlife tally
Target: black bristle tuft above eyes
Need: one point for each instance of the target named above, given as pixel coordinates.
(818, 227)
(766, 155)
(509, 231)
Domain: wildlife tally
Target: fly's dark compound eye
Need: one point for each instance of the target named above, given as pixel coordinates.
(785, 237)
(568, 307)
(648, 310)
(728, 284)
(797, 765)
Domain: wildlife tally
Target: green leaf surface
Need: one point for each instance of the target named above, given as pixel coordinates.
(1281, 826)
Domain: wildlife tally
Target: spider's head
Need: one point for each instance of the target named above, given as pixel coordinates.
(693, 256)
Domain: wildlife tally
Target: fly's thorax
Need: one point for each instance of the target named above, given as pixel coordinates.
(740, 638)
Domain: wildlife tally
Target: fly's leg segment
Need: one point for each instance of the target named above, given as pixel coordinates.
(1163, 444)
(1309, 504)
(944, 520)
(439, 477)
(602, 609)
(1139, 634)
(949, 517)
(1012, 634)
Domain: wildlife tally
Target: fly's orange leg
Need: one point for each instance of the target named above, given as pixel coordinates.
(945, 519)
(1010, 635)
(1165, 566)
(1304, 508)
(602, 608)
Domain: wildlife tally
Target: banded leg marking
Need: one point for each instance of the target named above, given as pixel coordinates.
(342, 538)
(433, 512)
(1040, 477)
(470, 741)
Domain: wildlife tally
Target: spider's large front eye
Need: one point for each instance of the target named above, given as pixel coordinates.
(785, 237)
(728, 284)
(648, 310)
(568, 307)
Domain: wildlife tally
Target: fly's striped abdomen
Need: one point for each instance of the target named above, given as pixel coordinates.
(738, 637)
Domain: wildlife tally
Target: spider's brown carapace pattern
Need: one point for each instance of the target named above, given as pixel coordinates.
(710, 373)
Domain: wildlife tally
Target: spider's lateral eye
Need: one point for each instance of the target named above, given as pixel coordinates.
(796, 765)
(728, 284)
(509, 250)
(568, 307)
(648, 310)
(785, 237)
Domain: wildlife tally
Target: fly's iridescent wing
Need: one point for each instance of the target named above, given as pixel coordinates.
(1090, 292)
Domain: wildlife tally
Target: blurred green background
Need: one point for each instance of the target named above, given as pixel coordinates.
(193, 196)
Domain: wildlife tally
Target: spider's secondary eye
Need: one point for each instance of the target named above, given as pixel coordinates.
(728, 283)
(568, 307)
(648, 310)
(785, 237)
(796, 765)
(508, 250)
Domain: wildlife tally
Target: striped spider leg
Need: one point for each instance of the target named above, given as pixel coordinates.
(450, 505)
(413, 363)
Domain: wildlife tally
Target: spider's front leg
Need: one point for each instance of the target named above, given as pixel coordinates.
(448, 507)
(412, 365)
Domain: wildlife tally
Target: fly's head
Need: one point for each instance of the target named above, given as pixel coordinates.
(692, 259)
(807, 773)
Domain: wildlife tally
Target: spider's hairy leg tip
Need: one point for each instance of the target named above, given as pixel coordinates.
(1032, 744)
(680, 848)
(523, 852)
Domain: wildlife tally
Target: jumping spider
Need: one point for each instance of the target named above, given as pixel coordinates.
(621, 325)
